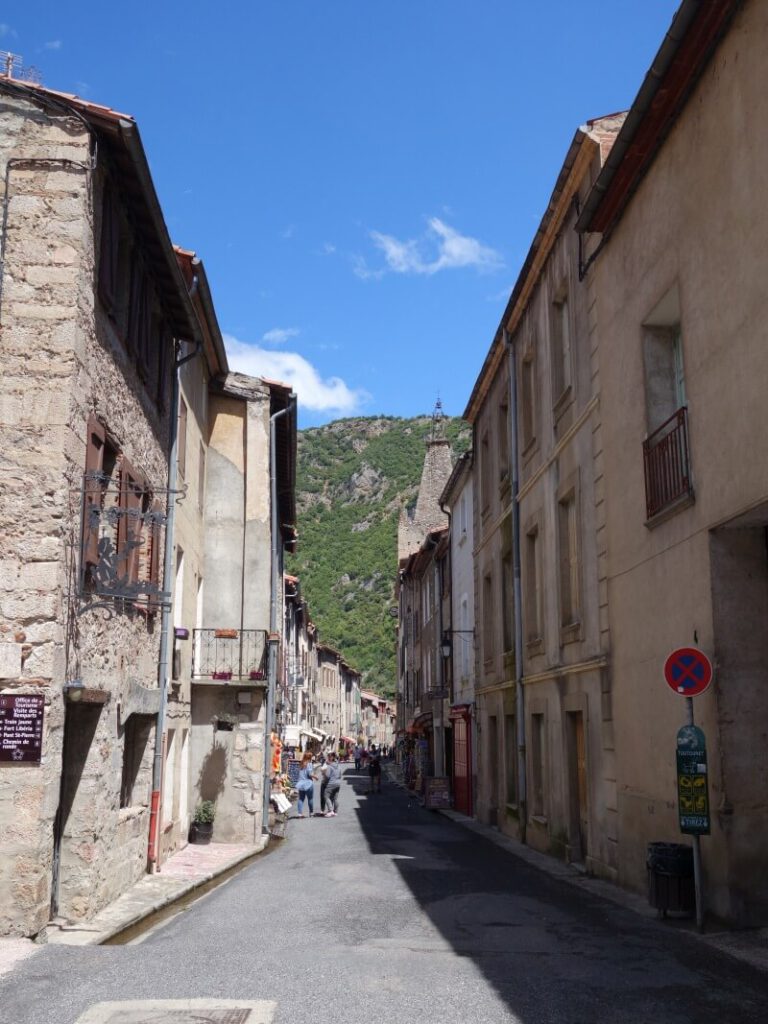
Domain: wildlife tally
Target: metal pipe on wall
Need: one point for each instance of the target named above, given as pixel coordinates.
(522, 797)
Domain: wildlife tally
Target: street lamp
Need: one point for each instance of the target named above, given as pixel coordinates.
(446, 642)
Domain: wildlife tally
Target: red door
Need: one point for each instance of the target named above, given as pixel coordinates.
(462, 766)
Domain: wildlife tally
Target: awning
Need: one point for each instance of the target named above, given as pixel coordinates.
(291, 738)
(423, 721)
(314, 734)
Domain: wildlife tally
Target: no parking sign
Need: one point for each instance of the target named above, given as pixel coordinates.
(688, 671)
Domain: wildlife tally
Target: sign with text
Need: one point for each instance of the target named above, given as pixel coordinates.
(21, 728)
(692, 788)
(437, 793)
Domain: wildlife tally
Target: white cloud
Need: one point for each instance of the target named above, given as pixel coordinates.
(6, 30)
(453, 250)
(54, 44)
(331, 395)
(279, 334)
(288, 232)
(328, 249)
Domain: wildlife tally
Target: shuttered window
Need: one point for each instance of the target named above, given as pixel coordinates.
(93, 487)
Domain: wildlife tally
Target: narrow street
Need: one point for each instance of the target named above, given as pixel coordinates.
(392, 912)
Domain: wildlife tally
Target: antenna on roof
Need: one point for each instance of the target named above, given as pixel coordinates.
(11, 63)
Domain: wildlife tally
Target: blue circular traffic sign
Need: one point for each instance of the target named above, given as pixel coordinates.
(688, 671)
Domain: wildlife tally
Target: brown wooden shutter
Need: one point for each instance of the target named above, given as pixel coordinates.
(129, 525)
(93, 487)
(135, 300)
(108, 250)
(164, 358)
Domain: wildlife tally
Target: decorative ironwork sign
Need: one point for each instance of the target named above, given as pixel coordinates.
(123, 530)
(21, 728)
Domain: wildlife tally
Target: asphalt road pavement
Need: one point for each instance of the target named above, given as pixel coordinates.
(389, 912)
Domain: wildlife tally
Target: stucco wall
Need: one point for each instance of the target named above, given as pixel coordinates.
(697, 224)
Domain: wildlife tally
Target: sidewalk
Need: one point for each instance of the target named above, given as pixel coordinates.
(182, 873)
(748, 945)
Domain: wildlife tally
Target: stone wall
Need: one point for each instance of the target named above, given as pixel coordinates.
(62, 362)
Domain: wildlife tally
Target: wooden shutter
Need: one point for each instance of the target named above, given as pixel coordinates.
(108, 250)
(129, 524)
(93, 487)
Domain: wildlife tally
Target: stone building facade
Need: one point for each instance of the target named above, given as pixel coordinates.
(92, 300)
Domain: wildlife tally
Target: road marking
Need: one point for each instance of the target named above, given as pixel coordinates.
(181, 1011)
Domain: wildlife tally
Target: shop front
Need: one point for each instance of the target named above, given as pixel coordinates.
(461, 719)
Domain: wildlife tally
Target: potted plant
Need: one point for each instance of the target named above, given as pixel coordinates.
(201, 829)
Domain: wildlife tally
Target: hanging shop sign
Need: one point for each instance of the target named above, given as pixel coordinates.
(692, 787)
(21, 728)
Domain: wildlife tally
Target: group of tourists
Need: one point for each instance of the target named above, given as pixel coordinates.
(329, 775)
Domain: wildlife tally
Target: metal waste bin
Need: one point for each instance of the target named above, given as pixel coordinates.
(670, 878)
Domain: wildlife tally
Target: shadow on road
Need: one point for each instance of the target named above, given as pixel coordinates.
(551, 951)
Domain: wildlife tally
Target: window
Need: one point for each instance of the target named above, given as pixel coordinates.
(510, 751)
(560, 332)
(169, 772)
(463, 516)
(507, 603)
(568, 543)
(464, 638)
(128, 297)
(533, 611)
(201, 477)
(528, 399)
(488, 612)
(665, 449)
(100, 460)
(181, 457)
(135, 740)
(503, 428)
(485, 473)
(537, 765)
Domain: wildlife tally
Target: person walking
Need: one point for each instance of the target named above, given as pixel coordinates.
(374, 771)
(358, 756)
(332, 786)
(305, 786)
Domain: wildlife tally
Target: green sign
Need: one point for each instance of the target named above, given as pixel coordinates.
(692, 788)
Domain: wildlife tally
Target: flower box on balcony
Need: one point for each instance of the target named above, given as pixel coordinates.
(180, 633)
(225, 634)
(256, 674)
(221, 675)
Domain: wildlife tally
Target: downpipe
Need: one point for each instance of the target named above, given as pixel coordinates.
(522, 794)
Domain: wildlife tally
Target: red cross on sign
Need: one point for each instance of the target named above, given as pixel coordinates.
(688, 671)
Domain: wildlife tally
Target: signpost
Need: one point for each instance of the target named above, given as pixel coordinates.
(688, 672)
(437, 793)
(21, 728)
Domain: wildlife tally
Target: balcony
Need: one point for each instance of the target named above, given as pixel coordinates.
(667, 466)
(224, 655)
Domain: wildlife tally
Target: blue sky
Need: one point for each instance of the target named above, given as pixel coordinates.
(362, 178)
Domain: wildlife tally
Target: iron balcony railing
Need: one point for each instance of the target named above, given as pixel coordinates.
(224, 654)
(667, 465)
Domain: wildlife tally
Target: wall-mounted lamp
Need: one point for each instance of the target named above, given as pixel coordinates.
(446, 643)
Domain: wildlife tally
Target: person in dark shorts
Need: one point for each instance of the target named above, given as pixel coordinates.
(374, 771)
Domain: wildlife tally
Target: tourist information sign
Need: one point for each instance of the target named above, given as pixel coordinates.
(21, 728)
(692, 788)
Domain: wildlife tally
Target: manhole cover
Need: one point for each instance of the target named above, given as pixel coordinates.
(181, 1011)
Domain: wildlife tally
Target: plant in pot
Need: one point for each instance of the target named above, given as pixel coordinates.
(201, 829)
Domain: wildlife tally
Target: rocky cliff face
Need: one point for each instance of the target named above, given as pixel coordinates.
(354, 478)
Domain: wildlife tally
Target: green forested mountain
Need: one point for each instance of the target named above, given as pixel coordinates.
(354, 477)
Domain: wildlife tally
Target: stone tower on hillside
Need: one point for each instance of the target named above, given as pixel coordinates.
(427, 515)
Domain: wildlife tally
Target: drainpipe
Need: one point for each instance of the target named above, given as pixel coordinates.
(522, 799)
(277, 580)
(153, 850)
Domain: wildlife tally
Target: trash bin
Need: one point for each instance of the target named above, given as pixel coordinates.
(670, 878)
